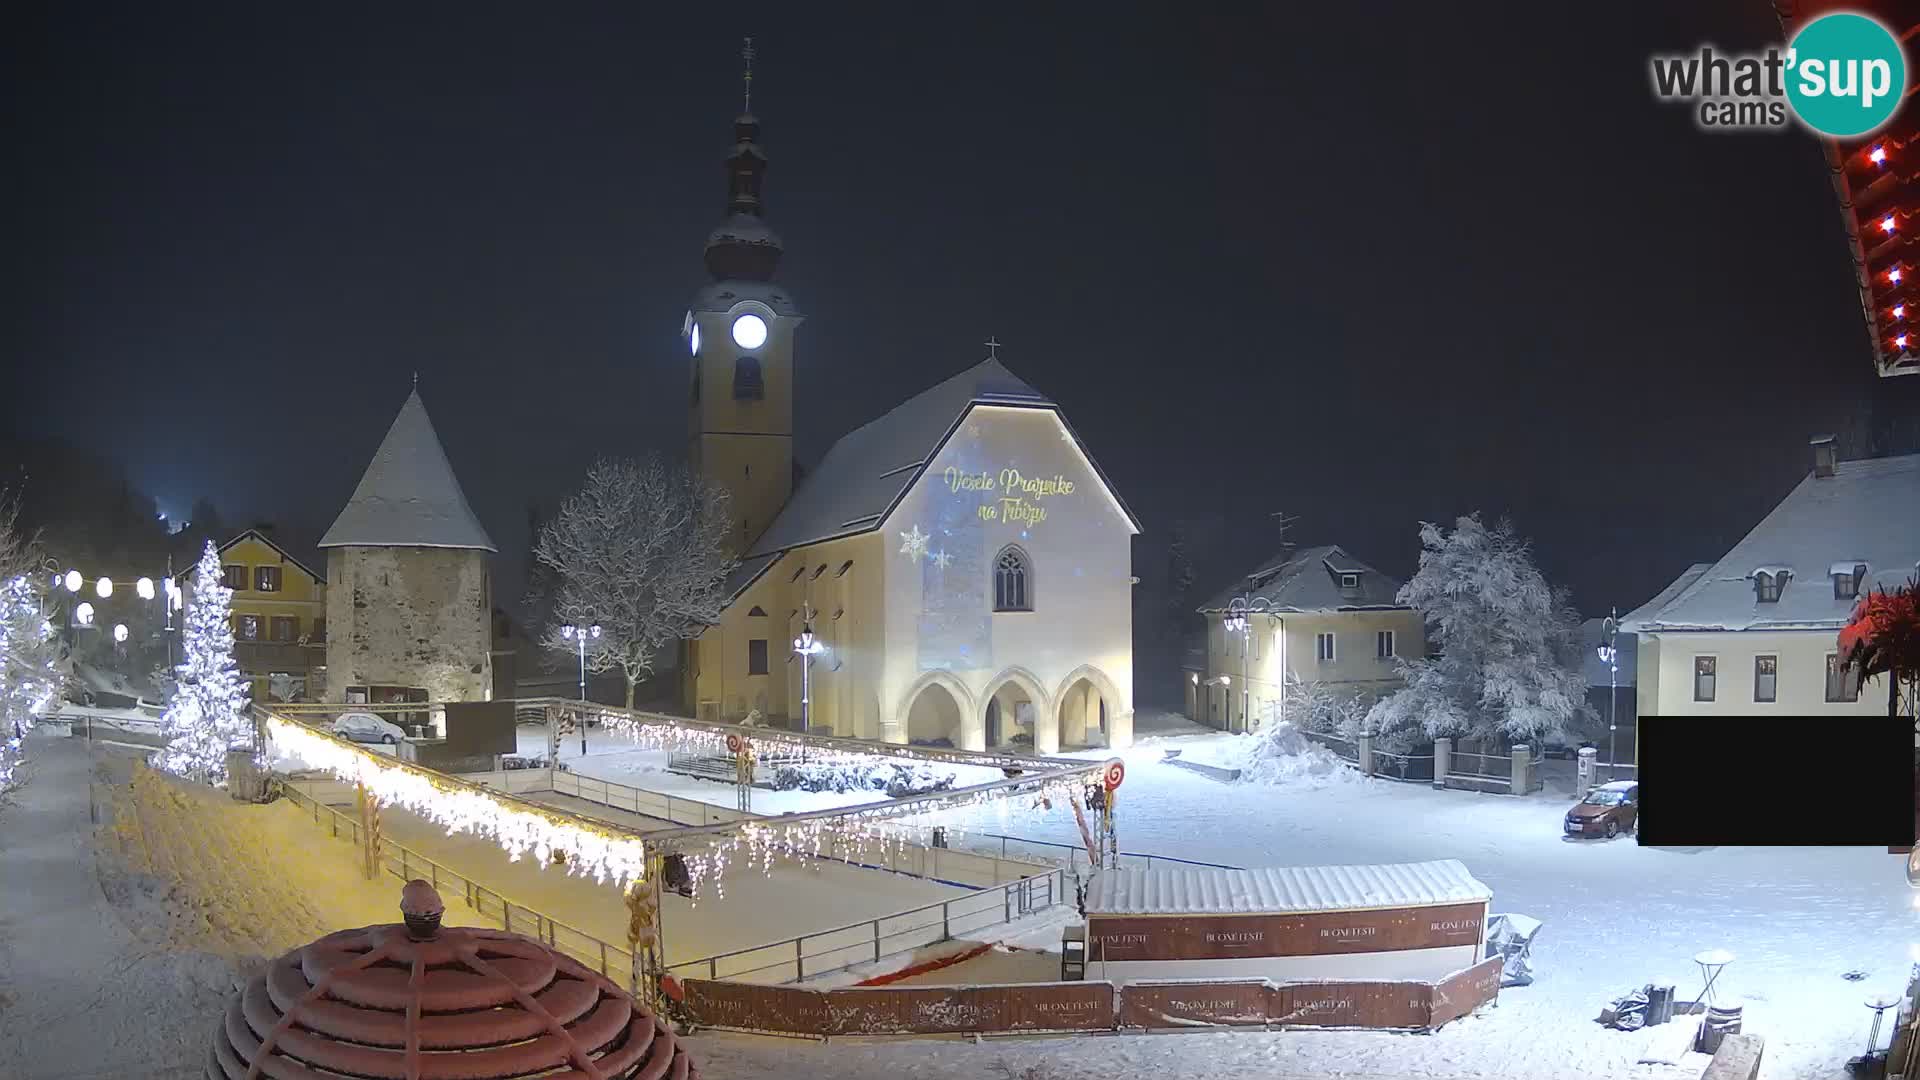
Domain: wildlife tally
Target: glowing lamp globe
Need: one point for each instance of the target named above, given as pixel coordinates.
(83, 614)
(74, 581)
(749, 331)
(120, 631)
(144, 587)
(103, 587)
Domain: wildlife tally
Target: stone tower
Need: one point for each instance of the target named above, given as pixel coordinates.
(409, 598)
(740, 332)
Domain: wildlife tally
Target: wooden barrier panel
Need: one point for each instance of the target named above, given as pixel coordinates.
(1089, 1006)
(1190, 1004)
(1223, 937)
(1464, 991)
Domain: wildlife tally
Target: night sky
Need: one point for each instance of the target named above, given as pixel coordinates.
(1366, 267)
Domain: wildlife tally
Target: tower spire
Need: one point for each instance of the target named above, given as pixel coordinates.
(746, 54)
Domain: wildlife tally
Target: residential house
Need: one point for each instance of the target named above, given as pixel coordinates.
(1754, 632)
(279, 614)
(1317, 615)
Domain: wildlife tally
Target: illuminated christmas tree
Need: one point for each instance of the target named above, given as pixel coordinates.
(208, 714)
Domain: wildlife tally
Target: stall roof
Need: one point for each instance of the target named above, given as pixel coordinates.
(1198, 890)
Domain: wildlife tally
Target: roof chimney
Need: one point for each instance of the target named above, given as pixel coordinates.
(1824, 455)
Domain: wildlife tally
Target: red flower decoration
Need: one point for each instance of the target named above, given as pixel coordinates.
(1883, 636)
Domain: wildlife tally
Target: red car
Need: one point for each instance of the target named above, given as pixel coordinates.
(1608, 811)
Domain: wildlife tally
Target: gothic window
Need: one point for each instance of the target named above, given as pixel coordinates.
(1012, 580)
(747, 384)
(758, 612)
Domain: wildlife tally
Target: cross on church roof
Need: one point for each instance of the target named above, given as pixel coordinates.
(993, 347)
(746, 53)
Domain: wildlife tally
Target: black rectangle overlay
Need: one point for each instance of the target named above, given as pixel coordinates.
(1776, 781)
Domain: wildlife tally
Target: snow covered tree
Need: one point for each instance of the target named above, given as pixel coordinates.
(641, 552)
(207, 714)
(30, 678)
(1509, 668)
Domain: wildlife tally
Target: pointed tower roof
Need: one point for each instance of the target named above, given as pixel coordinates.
(409, 496)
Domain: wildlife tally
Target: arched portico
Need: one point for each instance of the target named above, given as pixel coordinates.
(936, 706)
(1089, 710)
(1001, 712)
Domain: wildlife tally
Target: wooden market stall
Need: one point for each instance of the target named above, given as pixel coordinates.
(1405, 921)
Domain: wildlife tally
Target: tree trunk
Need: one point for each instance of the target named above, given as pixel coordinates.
(1893, 695)
(630, 692)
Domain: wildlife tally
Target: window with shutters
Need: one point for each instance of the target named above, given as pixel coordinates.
(266, 579)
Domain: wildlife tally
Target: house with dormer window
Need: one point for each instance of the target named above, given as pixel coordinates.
(1755, 631)
(1316, 615)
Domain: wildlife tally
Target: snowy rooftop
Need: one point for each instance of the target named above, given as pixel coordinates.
(408, 496)
(1188, 890)
(1309, 580)
(870, 468)
(1866, 512)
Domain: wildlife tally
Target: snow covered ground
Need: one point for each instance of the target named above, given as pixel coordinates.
(73, 970)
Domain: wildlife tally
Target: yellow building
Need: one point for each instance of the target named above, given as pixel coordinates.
(279, 617)
(962, 565)
(1316, 616)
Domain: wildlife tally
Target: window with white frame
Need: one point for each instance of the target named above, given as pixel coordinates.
(1323, 647)
(1383, 644)
(1705, 674)
(1842, 685)
(1766, 678)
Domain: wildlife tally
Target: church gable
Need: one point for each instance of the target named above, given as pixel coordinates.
(1006, 474)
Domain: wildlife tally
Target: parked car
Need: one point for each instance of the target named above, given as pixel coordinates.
(366, 727)
(1608, 811)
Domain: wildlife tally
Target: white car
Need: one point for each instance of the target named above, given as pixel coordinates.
(366, 727)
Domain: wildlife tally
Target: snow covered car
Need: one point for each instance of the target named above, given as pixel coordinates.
(366, 727)
(1608, 810)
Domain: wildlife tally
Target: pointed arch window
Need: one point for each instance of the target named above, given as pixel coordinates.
(1012, 580)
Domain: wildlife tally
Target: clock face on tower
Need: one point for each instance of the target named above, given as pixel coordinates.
(749, 331)
(693, 339)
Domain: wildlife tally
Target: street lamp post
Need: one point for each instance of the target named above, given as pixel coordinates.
(1611, 657)
(806, 646)
(580, 635)
(1237, 622)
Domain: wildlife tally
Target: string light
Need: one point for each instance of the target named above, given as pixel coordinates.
(1878, 155)
(1893, 275)
(1887, 224)
(1900, 342)
(1899, 311)
(518, 828)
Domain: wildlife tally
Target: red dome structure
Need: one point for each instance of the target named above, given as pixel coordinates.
(417, 1001)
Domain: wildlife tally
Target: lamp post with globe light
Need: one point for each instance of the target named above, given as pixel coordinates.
(1610, 656)
(806, 646)
(580, 635)
(1236, 621)
(83, 614)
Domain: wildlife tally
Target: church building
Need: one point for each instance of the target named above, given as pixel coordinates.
(955, 572)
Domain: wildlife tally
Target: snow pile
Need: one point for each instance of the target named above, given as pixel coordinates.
(1279, 754)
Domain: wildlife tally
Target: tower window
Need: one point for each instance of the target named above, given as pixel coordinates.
(1012, 580)
(747, 383)
(696, 381)
(757, 656)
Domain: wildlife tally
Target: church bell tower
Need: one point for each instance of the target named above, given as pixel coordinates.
(740, 332)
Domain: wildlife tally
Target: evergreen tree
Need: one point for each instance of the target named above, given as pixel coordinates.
(1179, 615)
(207, 714)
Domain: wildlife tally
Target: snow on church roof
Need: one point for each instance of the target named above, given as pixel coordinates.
(1204, 890)
(865, 473)
(408, 496)
(1866, 512)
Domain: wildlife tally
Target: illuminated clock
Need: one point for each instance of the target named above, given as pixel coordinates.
(693, 339)
(749, 331)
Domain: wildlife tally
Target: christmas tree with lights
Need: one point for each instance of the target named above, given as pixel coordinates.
(208, 714)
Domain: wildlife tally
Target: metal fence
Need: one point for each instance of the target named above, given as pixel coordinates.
(1072, 856)
(826, 951)
(1394, 766)
(808, 955)
(613, 961)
